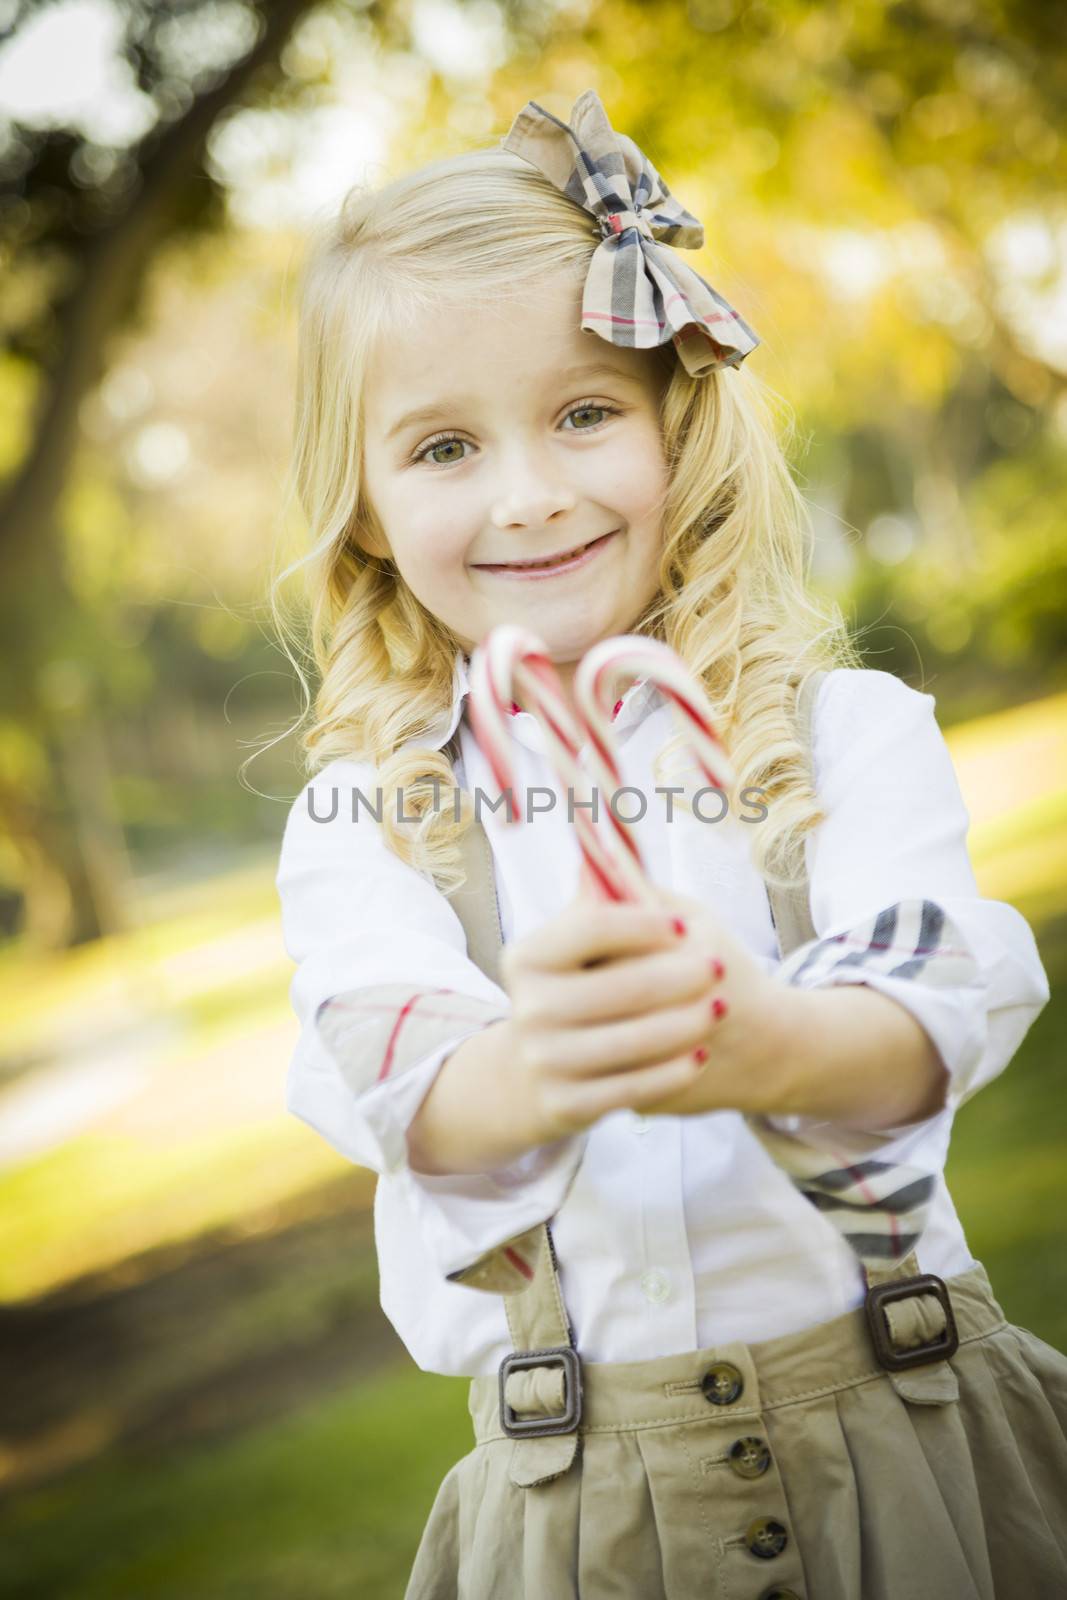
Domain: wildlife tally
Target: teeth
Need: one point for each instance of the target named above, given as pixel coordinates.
(536, 566)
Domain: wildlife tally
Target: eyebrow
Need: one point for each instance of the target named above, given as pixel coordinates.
(427, 413)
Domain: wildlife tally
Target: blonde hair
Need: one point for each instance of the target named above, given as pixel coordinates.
(733, 599)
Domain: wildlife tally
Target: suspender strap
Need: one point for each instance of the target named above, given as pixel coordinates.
(791, 908)
(475, 902)
(540, 1382)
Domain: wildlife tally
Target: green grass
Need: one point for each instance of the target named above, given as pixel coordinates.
(1007, 1166)
(327, 1504)
(331, 1502)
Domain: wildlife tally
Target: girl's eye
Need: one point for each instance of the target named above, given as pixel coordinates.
(450, 441)
(440, 444)
(585, 411)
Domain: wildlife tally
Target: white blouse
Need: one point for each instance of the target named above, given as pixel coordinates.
(673, 1233)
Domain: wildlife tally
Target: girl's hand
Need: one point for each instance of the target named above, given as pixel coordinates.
(609, 1004)
(745, 1039)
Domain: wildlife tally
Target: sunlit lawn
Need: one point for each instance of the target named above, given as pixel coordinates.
(327, 1503)
(172, 925)
(330, 1501)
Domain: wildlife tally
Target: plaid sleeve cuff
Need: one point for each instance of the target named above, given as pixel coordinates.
(376, 1053)
(361, 1072)
(876, 1186)
(915, 940)
(482, 1229)
(914, 953)
(378, 1033)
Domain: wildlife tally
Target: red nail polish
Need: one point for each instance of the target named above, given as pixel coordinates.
(717, 968)
(700, 1055)
(679, 926)
(718, 1008)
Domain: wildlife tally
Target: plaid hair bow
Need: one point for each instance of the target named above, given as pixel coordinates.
(637, 292)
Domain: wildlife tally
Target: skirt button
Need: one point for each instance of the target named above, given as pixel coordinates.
(766, 1538)
(749, 1458)
(722, 1384)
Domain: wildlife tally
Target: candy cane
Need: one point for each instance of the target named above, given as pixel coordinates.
(630, 655)
(514, 658)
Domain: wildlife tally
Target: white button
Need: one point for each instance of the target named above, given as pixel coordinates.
(654, 1287)
(641, 1124)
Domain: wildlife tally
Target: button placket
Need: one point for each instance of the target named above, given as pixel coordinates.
(747, 1503)
(663, 1269)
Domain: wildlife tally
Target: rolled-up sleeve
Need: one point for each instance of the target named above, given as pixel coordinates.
(894, 899)
(384, 992)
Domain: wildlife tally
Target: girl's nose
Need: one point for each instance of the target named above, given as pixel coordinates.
(531, 499)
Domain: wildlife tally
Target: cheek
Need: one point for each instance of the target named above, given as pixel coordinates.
(429, 527)
(438, 532)
(637, 472)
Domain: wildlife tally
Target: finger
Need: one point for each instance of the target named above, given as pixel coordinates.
(634, 1090)
(625, 987)
(611, 1047)
(590, 932)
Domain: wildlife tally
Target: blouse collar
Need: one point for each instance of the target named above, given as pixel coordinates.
(639, 698)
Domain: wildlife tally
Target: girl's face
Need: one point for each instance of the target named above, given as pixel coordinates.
(498, 435)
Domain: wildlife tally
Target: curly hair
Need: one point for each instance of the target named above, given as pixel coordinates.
(733, 597)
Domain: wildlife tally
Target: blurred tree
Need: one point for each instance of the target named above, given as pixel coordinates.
(79, 225)
(89, 220)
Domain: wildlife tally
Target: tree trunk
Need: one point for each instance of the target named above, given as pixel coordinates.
(71, 851)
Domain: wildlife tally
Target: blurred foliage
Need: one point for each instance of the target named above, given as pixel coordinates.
(95, 211)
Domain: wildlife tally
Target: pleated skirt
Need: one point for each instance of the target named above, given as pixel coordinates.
(812, 1473)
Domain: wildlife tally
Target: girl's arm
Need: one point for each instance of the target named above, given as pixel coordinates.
(898, 917)
(855, 1057)
(404, 1037)
(847, 1055)
(384, 992)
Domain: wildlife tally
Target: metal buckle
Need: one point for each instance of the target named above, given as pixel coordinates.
(896, 1360)
(519, 1361)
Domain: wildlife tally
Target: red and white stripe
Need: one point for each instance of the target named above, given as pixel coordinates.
(513, 659)
(602, 670)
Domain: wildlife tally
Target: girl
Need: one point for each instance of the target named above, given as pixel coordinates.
(752, 1355)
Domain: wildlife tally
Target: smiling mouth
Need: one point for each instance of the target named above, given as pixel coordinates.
(558, 563)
